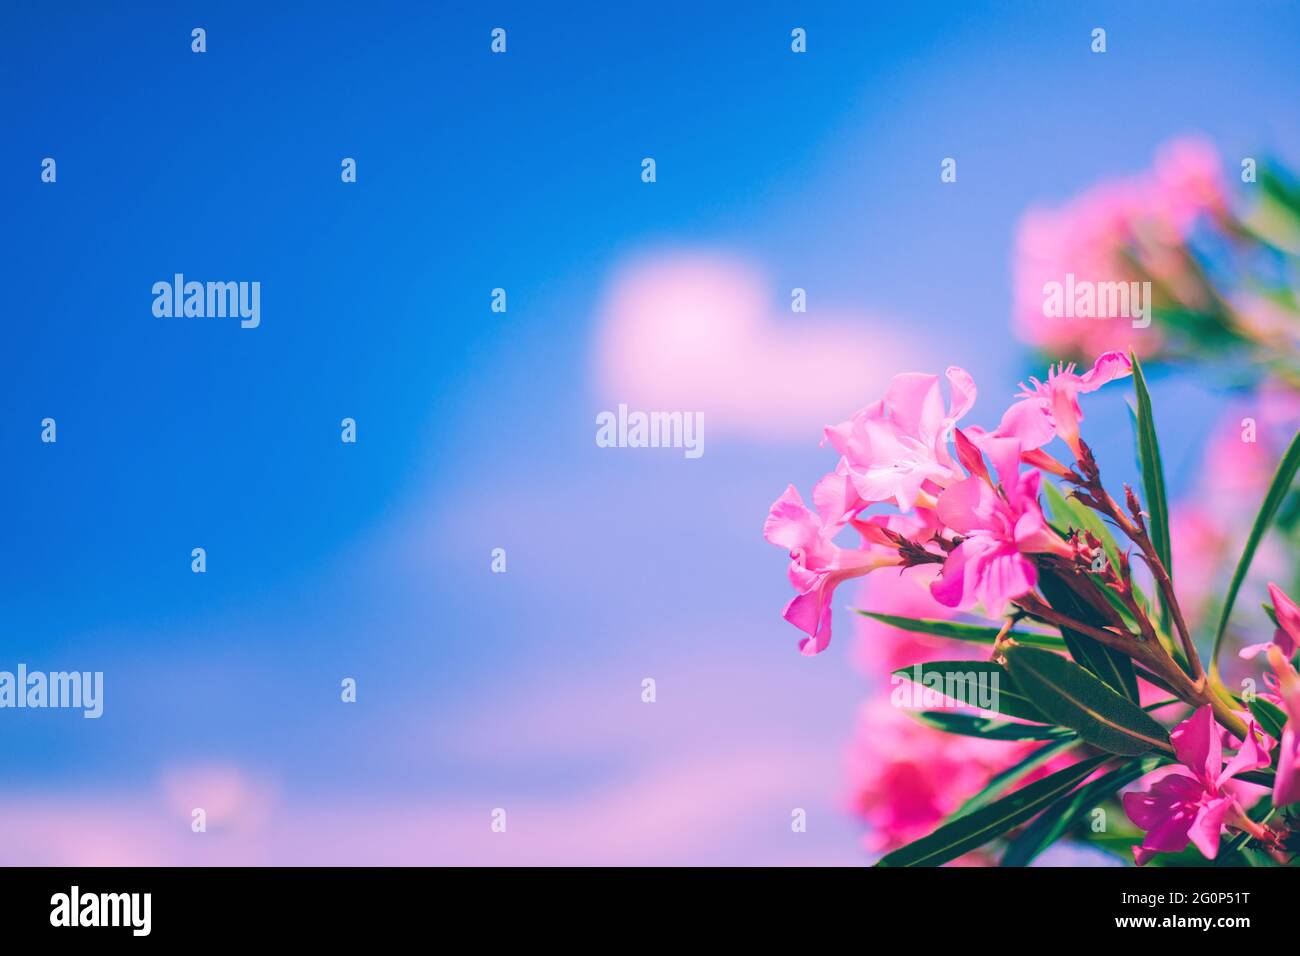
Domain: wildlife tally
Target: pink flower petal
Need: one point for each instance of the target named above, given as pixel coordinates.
(1288, 618)
(1198, 747)
(1206, 827)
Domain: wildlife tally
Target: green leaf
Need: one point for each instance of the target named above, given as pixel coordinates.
(1261, 814)
(1073, 698)
(1271, 717)
(1272, 614)
(1110, 665)
(1288, 513)
(1070, 513)
(1161, 704)
(1264, 778)
(1060, 816)
(977, 633)
(968, 725)
(976, 828)
(976, 683)
(1008, 778)
(1277, 490)
(1257, 858)
(1153, 473)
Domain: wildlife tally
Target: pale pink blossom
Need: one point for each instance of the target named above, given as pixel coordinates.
(894, 448)
(1234, 470)
(1187, 185)
(817, 565)
(1048, 409)
(1131, 228)
(1199, 541)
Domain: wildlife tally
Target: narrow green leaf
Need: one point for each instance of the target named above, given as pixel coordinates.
(1271, 717)
(1264, 778)
(1272, 614)
(1001, 782)
(1161, 704)
(1060, 816)
(1108, 664)
(968, 725)
(1257, 858)
(973, 830)
(1152, 468)
(1277, 490)
(976, 633)
(1070, 513)
(1153, 472)
(981, 684)
(1074, 698)
(1288, 513)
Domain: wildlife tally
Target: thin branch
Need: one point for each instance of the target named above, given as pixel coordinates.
(1094, 495)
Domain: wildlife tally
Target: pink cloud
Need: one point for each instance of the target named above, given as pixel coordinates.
(708, 775)
(699, 331)
(723, 809)
(228, 796)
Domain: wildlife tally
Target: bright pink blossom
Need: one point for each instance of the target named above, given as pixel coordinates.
(1000, 526)
(1051, 408)
(1287, 635)
(881, 648)
(905, 778)
(1286, 786)
(817, 565)
(1193, 802)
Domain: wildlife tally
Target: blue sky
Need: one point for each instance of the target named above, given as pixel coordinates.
(477, 171)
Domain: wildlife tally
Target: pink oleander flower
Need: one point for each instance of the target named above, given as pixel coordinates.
(1286, 785)
(817, 564)
(1124, 229)
(905, 777)
(1287, 636)
(999, 527)
(1200, 543)
(892, 449)
(1193, 803)
(1048, 409)
(879, 649)
(1187, 185)
(1231, 477)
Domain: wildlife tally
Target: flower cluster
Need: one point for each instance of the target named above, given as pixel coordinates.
(961, 507)
(964, 499)
(1207, 259)
(1196, 801)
